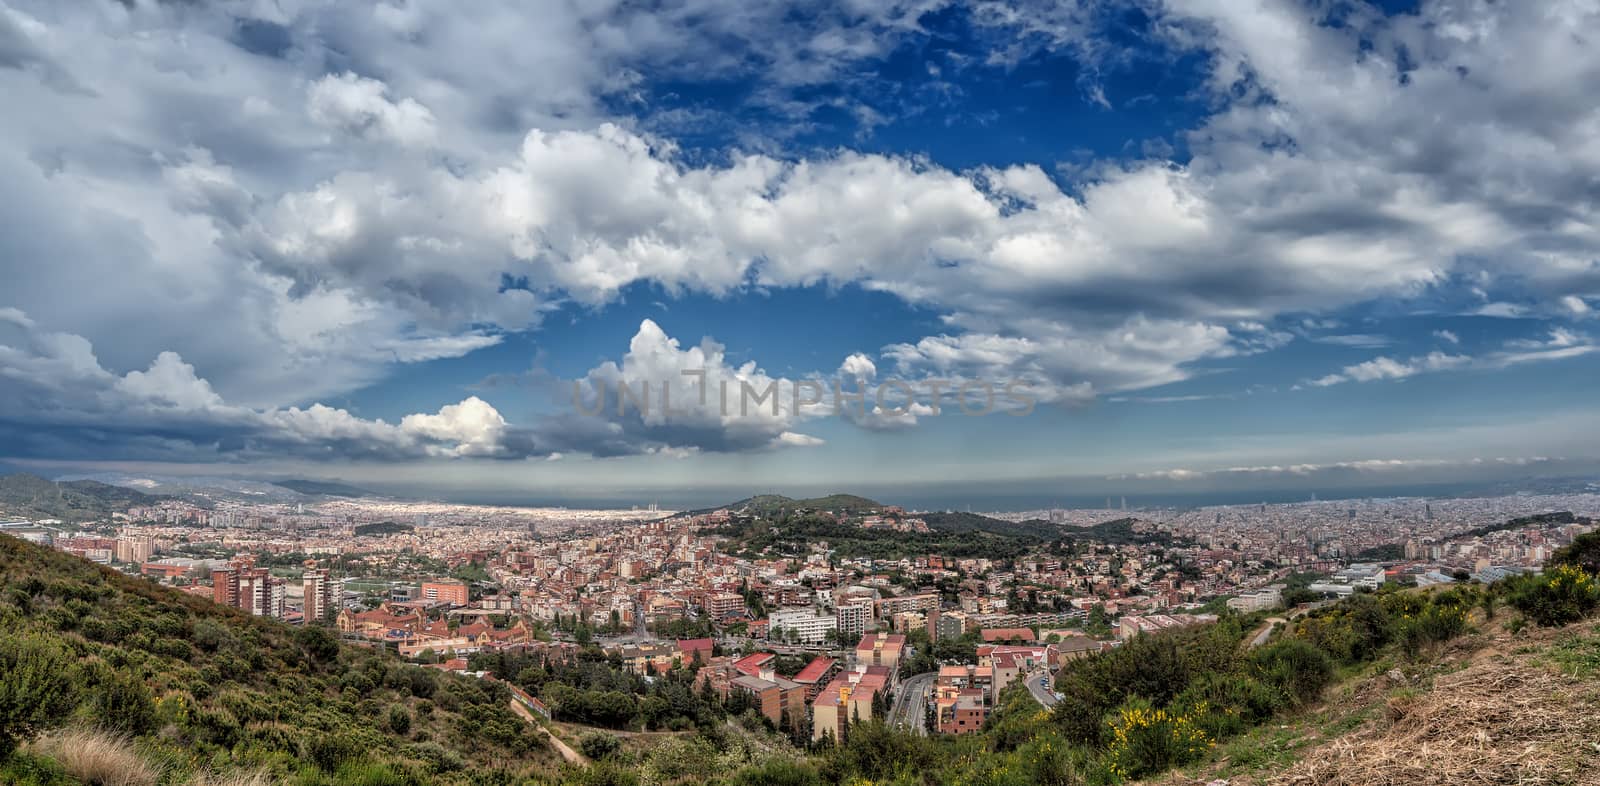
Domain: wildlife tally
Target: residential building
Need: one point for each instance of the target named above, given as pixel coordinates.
(451, 592)
(802, 626)
(881, 649)
(319, 593)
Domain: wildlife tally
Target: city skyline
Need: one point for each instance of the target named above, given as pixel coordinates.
(1223, 249)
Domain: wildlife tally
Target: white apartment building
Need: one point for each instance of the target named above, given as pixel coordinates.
(804, 626)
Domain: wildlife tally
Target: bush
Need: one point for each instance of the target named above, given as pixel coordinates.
(36, 687)
(399, 720)
(1561, 595)
(319, 643)
(123, 704)
(598, 744)
(1434, 624)
(1226, 704)
(1145, 740)
(1296, 669)
(24, 770)
(1156, 667)
(330, 751)
(778, 772)
(1582, 553)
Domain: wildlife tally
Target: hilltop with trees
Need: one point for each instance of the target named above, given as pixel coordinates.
(32, 497)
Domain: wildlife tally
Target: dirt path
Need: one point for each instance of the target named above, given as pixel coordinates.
(563, 748)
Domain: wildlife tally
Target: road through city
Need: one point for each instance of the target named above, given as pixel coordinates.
(910, 704)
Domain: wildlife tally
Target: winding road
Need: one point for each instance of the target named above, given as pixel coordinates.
(1042, 694)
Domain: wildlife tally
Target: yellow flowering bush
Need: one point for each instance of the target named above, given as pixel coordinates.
(1561, 595)
(1147, 739)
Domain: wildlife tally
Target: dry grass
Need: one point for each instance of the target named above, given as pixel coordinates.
(1498, 721)
(97, 758)
(237, 779)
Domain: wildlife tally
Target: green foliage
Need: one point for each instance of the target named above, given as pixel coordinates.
(319, 643)
(123, 704)
(778, 772)
(1156, 668)
(22, 769)
(381, 528)
(1293, 668)
(36, 687)
(201, 687)
(599, 745)
(1583, 552)
(1143, 739)
(1561, 595)
(399, 720)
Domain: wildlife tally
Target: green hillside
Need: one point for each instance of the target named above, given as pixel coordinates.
(973, 522)
(197, 688)
(32, 497)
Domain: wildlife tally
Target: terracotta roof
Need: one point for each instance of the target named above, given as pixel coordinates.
(814, 670)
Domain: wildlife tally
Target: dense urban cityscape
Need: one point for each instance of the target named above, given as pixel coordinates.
(802, 636)
(799, 393)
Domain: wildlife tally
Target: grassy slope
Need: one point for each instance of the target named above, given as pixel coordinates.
(1492, 707)
(205, 687)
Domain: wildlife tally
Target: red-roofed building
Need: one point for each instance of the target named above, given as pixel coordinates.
(753, 664)
(816, 674)
(691, 649)
(847, 699)
(993, 635)
(881, 649)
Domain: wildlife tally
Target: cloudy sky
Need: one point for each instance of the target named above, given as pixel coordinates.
(1202, 241)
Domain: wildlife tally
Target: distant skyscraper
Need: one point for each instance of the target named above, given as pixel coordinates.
(1124, 503)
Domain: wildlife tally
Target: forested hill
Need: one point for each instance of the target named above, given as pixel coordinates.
(974, 522)
(192, 686)
(32, 497)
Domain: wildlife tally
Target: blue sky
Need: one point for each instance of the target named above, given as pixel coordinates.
(1223, 245)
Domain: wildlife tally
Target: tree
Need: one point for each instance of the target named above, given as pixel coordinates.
(1099, 623)
(36, 688)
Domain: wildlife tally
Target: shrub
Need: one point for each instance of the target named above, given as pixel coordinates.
(330, 751)
(1293, 667)
(1434, 624)
(598, 744)
(778, 772)
(399, 720)
(1145, 740)
(603, 773)
(1226, 704)
(36, 687)
(123, 704)
(24, 770)
(318, 643)
(1582, 553)
(1154, 667)
(1561, 595)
